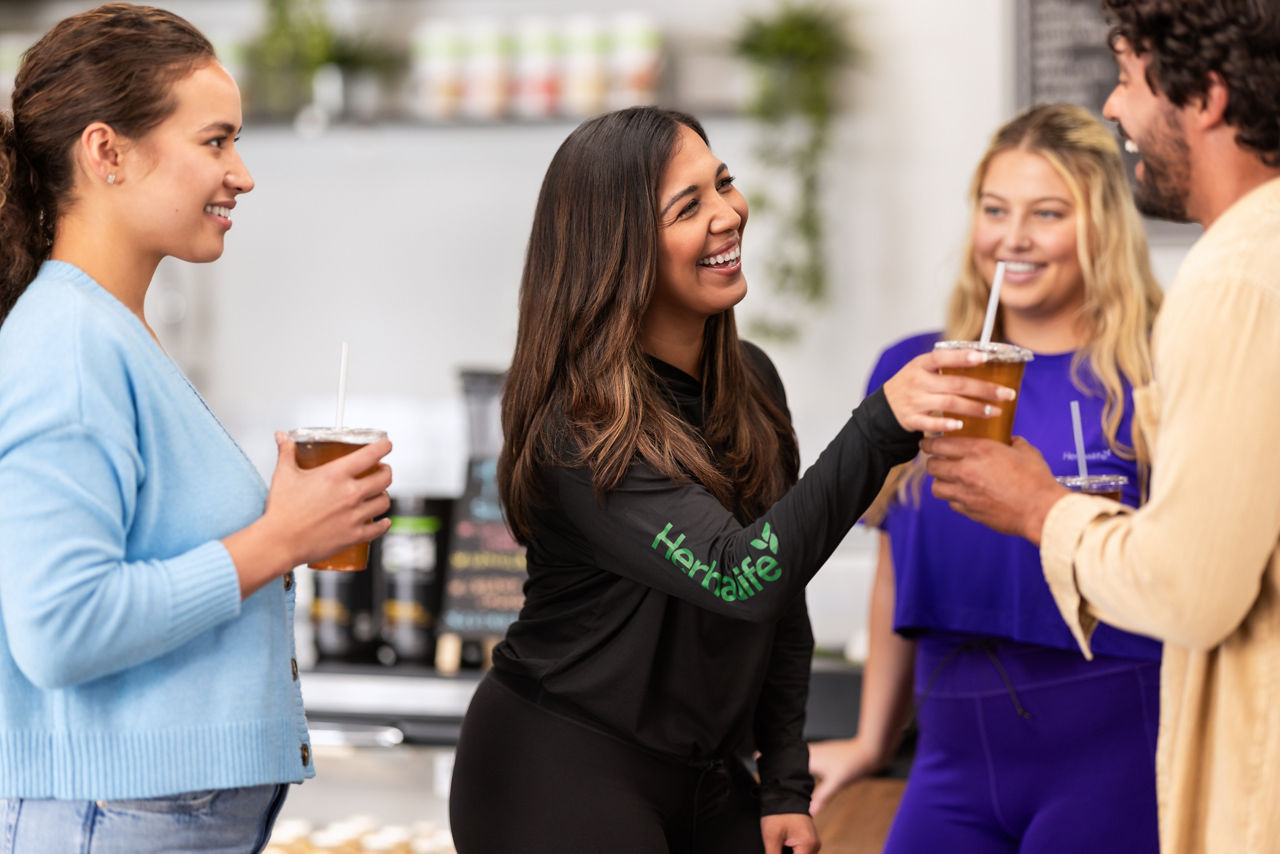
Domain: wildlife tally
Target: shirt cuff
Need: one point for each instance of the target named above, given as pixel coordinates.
(1063, 529)
(783, 803)
(880, 425)
(206, 591)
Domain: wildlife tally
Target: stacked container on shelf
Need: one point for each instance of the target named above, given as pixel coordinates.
(410, 564)
(533, 67)
(387, 613)
(536, 83)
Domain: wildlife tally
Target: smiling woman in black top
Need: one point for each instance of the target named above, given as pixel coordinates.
(650, 468)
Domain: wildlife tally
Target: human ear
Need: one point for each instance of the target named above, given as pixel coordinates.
(99, 153)
(1211, 108)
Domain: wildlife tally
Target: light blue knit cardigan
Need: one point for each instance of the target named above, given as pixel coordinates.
(129, 667)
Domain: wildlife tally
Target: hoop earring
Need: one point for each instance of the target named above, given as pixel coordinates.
(111, 179)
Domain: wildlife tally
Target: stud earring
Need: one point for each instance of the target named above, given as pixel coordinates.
(111, 179)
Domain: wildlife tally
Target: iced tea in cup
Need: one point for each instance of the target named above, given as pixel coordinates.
(1004, 366)
(319, 445)
(1106, 485)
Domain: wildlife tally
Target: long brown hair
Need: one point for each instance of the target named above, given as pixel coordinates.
(1121, 295)
(115, 64)
(580, 390)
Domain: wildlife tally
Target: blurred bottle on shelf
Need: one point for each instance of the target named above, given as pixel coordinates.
(534, 66)
(538, 59)
(410, 559)
(344, 612)
(436, 71)
(635, 61)
(586, 71)
(487, 70)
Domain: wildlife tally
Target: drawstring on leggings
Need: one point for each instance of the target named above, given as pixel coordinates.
(706, 765)
(989, 648)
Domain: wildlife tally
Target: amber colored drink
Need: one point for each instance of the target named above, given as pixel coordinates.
(316, 446)
(1105, 485)
(1004, 366)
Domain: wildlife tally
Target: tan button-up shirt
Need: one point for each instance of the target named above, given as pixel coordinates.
(1198, 566)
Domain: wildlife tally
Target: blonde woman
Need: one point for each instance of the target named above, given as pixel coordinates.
(1024, 745)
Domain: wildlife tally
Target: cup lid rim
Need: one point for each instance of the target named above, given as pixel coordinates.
(349, 435)
(1000, 350)
(1076, 480)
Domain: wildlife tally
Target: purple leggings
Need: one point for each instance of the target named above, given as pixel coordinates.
(1029, 750)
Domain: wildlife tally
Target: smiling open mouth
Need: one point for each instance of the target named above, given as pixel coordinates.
(724, 259)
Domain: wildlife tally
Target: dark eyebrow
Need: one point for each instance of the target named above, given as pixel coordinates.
(226, 127)
(686, 191)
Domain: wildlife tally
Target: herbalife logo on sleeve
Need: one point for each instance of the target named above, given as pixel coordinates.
(739, 582)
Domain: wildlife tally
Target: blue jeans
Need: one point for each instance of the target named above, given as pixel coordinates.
(218, 821)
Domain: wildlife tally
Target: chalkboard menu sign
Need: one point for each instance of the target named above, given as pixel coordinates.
(486, 571)
(485, 574)
(1063, 56)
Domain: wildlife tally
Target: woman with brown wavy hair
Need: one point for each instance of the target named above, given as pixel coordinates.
(1020, 737)
(650, 468)
(149, 701)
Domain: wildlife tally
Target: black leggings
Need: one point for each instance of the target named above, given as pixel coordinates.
(530, 781)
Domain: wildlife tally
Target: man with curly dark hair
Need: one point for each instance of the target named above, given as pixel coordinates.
(1198, 565)
(1182, 53)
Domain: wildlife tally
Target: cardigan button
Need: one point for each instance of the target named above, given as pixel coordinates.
(306, 755)
(288, 580)
(293, 665)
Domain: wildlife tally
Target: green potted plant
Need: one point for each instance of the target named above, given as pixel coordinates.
(797, 52)
(282, 60)
(369, 67)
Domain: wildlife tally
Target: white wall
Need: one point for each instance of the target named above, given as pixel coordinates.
(407, 242)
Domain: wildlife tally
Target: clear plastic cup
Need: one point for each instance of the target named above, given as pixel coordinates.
(1107, 485)
(319, 445)
(1005, 365)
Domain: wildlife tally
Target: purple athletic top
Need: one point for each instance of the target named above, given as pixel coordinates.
(955, 575)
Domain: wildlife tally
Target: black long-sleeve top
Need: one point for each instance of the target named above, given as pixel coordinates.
(655, 614)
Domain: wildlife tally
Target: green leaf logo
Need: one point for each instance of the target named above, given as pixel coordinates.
(767, 540)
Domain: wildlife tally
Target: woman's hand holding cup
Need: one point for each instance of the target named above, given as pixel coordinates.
(324, 507)
(918, 394)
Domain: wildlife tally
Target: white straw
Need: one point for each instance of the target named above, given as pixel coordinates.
(1075, 427)
(993, 303)
(342, 385)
